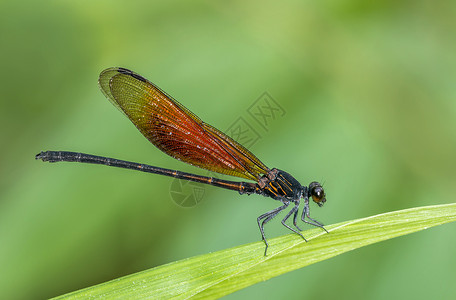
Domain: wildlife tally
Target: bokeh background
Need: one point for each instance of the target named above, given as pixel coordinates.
(368, 90)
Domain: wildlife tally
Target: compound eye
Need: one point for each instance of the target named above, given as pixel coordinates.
(317, 193)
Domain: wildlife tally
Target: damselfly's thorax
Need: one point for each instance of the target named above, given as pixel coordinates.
(279, 185)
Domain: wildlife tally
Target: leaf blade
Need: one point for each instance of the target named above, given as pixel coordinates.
(220, 273)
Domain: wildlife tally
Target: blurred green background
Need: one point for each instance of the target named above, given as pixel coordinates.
(369, 94)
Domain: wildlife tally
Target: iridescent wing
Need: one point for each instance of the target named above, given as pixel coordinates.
(174, 129)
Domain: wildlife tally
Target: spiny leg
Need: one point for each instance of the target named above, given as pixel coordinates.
(268, 217)
(293, 210)
(295, 217)
(306, 213)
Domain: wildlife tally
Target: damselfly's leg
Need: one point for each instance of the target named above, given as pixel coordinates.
(266, 217)
(295, 217)
(306, 213)
(294, 211)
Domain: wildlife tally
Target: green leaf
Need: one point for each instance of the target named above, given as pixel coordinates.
(217, 274)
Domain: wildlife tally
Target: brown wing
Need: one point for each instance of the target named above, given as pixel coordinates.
(174, 129)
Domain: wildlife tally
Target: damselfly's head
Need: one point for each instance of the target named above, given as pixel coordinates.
(317, 193)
